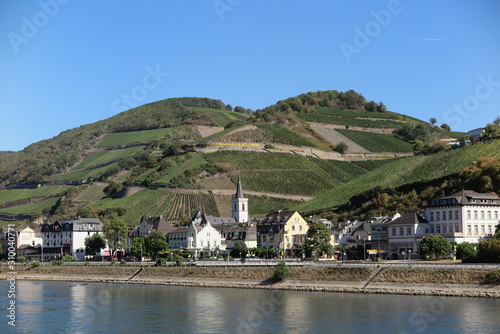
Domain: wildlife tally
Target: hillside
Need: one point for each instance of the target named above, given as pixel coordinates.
(174, 156)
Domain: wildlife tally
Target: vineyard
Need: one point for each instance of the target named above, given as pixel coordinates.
(405, 171)
(125, 138)
(360, 122)
(184, 205)
(36, 208)
(20, 194)
(102, 157)
(221, 117)
(354, 113)
(83, 175)
(372, 164)
(376, 142)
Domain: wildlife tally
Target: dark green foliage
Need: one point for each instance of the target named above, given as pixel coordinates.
(35, 264)
(282, 271)
(156, 243)
(341, 147)
(493, 277)
(239, 251)
(489, 251)
(94, 244)
(466, 249)
(112, 188)
(436, 245)
(116, 232)
(318, 240)
(21, 259)
(446, 127)
(139, 247)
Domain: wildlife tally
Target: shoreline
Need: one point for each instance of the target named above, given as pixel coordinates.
(421, 289)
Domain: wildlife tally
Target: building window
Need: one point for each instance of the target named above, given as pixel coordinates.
(456, 215)
(300, 228)
(450, 215)
(489, 214)
(293, 227)
(495, 213)
(475, 214)
(243, 207)
(468, 214)
(489, 229)
(469, 230)
(451, 227)
(444, 215)
(394, 232)
(438, 228)
(438, 216)
(408, 231)
(482, 214)
(401, 231)
(444, 229)
(482, 229)
(432, 228)
(432, 217)
(476, 230)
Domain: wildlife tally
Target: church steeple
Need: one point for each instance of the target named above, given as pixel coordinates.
(240, 204)
(239, 190)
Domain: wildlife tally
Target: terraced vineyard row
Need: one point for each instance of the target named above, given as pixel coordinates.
(184, 205)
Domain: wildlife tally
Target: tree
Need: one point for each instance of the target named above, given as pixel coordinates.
(497, 232)
(445, 127)
(156, 243)
(497, 120)
(318, 240)
(229, 107)
(94, 244)
(435, 244)
(239, 109)
(138, 248)
(433, 120)
(492, 131)
(116, 232)
(489, 251)
(282, 271)
(240, 250)
(465, 249)
(381, 107)
(112, 188)
(341, 147)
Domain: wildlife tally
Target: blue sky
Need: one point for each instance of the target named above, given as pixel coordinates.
(64, 63)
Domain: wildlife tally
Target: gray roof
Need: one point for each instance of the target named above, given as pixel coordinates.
(409, 218)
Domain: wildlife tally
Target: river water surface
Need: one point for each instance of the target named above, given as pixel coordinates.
(59, 307)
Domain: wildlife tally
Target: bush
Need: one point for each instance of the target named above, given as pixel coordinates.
(282, 271)
(57, 263)
(123, 261)
(67, 258)
(35, 264)
(160, 262)
(21, 259)
(493, 277)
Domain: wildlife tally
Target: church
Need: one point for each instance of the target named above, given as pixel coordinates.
(212, 236)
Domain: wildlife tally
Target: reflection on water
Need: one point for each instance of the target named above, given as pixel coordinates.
(53, 307)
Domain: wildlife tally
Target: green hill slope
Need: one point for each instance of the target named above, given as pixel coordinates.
(405, 171)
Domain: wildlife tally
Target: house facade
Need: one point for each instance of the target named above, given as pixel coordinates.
(464, 216)
(405, 234)
(285, 230)
(67, 236)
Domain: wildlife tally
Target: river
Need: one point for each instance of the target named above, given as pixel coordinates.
(58, 307)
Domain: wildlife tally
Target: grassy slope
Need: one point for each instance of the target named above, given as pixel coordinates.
(403, 171)
(31, 207)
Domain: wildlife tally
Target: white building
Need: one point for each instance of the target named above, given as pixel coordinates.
(405, 234)
(464, 216)
(240, 205)
(204, 238)
(67, 236)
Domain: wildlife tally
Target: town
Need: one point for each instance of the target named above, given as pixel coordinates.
(462, 217)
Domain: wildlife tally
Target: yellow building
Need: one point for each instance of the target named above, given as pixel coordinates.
(285, 230)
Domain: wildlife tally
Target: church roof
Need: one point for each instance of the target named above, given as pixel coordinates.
(239, 189)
